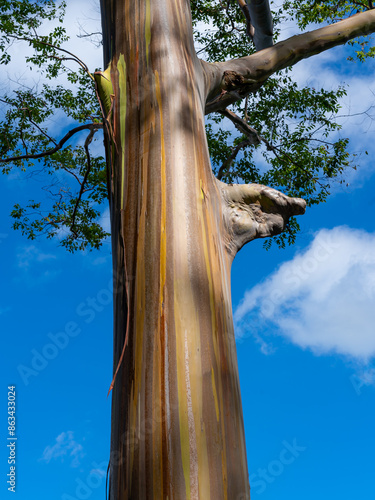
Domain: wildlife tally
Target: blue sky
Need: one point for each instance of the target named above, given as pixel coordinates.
(304, 319)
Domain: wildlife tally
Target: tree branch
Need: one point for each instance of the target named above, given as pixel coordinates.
(252, 139)
(230, 81)
(59, 145)
(87, 143)
(243, 127)
(228, 162)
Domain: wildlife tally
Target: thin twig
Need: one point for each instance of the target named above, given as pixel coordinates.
(75, 58)
(253, 135)
(228, 162)
(72, 173)
(23, 140)
(276, 150)
(37, 126)
(59, 145)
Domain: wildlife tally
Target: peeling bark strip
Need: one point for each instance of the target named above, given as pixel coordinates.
(177, 426)
(259, 22)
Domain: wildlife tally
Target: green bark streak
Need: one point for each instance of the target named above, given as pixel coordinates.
(105, 88)
(121, 66)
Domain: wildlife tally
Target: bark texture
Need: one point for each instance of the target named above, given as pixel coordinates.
(177, 425)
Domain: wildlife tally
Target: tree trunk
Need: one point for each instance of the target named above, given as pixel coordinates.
(177, 425)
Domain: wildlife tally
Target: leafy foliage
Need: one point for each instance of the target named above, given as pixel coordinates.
(21, 19)
(297, 153)
(224, 30)
(301, 151)
(75, 180)
(320, 12)
(294, 125)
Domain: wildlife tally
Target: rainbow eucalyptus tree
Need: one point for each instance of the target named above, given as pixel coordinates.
(177, 221)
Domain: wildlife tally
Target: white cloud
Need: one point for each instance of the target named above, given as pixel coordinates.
(105, 220)
(64, 447)
(100, 260)
(364, 377)
(322, 300)
(36, 267)
(31, 254)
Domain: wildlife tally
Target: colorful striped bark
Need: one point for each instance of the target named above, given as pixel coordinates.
(177, 425)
